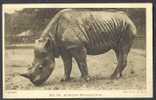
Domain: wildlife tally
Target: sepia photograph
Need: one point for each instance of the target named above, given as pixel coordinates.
(77, 50)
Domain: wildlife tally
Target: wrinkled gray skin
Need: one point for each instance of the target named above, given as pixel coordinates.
(43, 63)
(76, 33)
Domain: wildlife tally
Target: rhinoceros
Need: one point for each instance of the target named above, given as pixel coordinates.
(75, 34)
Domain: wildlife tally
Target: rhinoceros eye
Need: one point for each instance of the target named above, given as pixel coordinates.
(40, 67)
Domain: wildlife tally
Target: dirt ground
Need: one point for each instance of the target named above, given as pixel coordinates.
(100, 68)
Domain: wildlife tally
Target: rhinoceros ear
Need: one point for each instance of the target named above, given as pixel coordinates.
(41, 43)
(51, 37)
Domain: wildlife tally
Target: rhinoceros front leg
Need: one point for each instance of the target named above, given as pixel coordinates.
(67, 60)
(80, 55)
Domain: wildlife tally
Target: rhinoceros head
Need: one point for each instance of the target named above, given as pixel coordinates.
(43, 63)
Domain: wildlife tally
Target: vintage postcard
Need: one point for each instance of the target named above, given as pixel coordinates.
(77, 50)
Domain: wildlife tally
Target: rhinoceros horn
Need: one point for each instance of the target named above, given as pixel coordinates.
(26, 75)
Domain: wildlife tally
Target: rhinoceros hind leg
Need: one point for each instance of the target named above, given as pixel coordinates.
(67, 60)
(121, 55)
(80, 56)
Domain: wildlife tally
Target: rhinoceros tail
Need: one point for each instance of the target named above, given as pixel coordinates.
(132, 28)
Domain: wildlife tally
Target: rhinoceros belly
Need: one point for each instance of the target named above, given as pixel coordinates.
(100, 45)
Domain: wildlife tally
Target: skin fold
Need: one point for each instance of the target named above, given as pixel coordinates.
(78, 33)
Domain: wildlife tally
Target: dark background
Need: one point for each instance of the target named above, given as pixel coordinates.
(35, 20)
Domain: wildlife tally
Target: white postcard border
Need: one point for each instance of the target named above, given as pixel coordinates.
(91, 93)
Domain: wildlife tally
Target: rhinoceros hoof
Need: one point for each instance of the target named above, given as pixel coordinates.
(65, 79)
(87, 78)
(116, 76)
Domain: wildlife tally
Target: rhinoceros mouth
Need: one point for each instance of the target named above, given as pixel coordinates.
(36, 81)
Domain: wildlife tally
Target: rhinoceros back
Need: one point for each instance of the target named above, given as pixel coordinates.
(99, 31)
